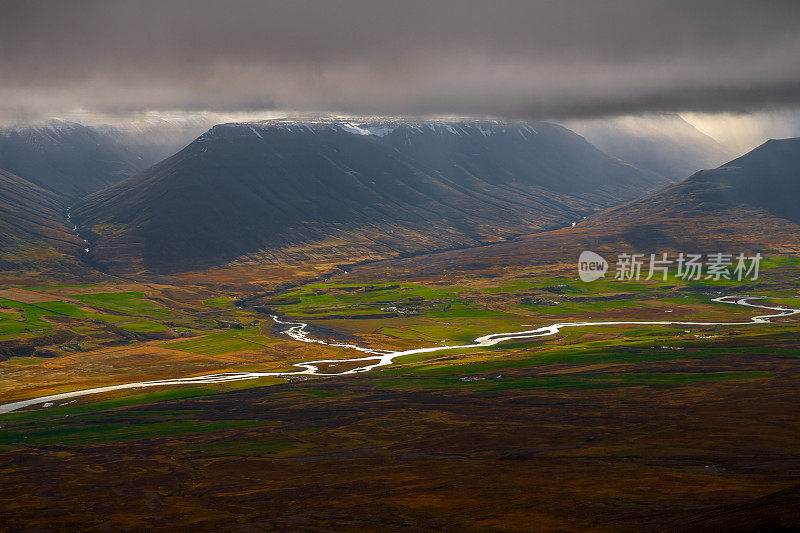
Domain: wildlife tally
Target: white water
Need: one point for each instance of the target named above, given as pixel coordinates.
(378, 358)
(75, 231)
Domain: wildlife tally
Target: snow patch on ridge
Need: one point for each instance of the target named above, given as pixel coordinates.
(352, 128)
(382, 127)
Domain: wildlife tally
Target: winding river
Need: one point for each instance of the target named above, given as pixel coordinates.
(376, 358)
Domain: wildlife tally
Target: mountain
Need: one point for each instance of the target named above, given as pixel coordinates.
(665, 144)
(33, 229)
(751, 201)
(285, 191)
(744, 206)
(73, 160)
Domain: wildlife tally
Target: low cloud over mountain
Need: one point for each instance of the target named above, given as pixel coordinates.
(507, 58)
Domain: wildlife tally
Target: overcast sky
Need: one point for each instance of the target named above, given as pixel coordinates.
(521, 59)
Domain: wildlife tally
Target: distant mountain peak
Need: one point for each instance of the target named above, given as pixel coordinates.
(664, 143)
(749, 201)
(74, 159)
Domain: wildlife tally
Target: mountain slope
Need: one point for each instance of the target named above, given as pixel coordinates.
(74, 160)
(744, 206)
(33, 229)
(294, 192)
(745, 200)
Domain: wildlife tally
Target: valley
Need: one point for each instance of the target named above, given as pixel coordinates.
(534, 412)
(339, 367)
(417, 267)
(456, 377)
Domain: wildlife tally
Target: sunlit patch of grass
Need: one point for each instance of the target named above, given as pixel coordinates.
(77, 433)
(33, 317)
(23, 361)
(122, 418)
(771, 262)
(321, 298)
(235, 340)
(790, 301)
(574, 307)
(152, 396)
(35, 313)
(638, 345)
(465, 310)
(125, 302)
(144, 326)
(222, 302)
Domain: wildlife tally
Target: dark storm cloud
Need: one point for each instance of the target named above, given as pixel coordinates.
(532, 59)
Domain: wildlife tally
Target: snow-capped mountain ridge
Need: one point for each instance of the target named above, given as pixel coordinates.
(377, 127)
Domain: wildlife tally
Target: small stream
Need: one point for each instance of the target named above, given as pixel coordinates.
(88, 247)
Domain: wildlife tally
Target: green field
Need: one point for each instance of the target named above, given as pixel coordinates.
(226, 342)
(132, 303)
(118, 306)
